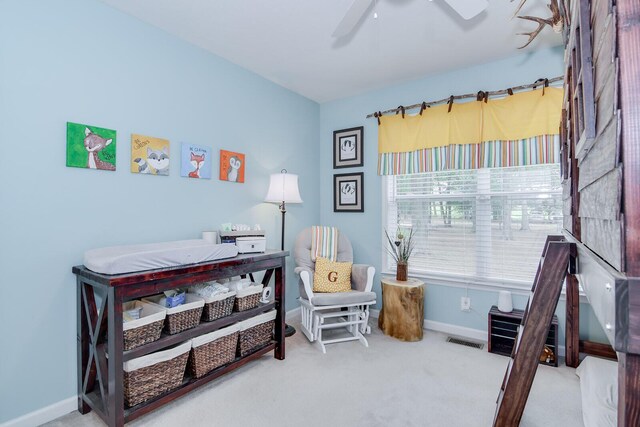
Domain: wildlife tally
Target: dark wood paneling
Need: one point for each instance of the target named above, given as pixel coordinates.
(598, 349)
(628, 390)
(572, 326)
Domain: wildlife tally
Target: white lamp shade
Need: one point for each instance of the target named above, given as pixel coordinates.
(283, 187)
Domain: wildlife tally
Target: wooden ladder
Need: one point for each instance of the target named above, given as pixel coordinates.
(558, 257)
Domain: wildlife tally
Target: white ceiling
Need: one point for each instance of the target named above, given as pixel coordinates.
(289, 41)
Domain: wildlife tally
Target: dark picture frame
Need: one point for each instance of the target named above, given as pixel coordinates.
(348, 147)
(348, 192)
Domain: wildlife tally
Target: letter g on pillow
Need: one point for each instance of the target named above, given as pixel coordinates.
(332, 276)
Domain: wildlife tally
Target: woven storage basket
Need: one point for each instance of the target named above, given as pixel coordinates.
(218, 306)
(146, 329)
(248, 298)
(210, 351)
(182, 317)
(149, 376)
(256, 332)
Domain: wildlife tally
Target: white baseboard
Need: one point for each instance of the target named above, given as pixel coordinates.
(44, 415)
(460, 331)
(293, 312)
(51, 412)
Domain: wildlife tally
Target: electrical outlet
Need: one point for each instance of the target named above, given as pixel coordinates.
(465, 304)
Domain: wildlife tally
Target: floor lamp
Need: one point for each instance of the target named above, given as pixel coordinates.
(283, 189)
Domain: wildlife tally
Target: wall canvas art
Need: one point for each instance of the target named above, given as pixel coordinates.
(91, 147)
(149, 155)
(347, 147)
(231, 166)
(348, 192)
(196, 161)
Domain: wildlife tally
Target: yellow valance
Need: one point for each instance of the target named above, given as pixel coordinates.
(517, 117)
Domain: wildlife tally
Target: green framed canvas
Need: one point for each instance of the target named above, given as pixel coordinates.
(91, 147)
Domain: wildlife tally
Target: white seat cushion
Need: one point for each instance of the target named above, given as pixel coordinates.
(343, 298)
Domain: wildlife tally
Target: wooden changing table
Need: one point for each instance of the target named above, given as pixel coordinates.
(100, 298)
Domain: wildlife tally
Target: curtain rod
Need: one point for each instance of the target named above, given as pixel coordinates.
(481, 95)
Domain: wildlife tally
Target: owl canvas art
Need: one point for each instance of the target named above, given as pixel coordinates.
(231, 166)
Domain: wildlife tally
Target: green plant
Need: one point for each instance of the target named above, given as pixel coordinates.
(401, 247)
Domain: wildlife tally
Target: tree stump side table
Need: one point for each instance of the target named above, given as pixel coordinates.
(402, 313)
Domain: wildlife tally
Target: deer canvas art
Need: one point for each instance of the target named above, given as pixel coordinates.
(195, 162)
(91, 147)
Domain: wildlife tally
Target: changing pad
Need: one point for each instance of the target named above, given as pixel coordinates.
(127, 259)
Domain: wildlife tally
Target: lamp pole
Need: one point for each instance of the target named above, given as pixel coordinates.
(283, 188)
(289, 330)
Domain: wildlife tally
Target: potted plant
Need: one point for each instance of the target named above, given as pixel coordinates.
(400, 249)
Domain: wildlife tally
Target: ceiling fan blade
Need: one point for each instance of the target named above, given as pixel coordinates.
(468, 8)
(352, 17)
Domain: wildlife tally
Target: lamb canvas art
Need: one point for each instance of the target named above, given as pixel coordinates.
(196, 161)
(149, 155)
(231, 166)
(91, 147)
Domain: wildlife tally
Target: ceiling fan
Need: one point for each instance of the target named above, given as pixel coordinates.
(467, 9)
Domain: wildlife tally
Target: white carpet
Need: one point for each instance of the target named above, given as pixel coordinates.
(391, 383)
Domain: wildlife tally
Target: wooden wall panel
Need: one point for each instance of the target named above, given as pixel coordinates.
(601, 199)
(606, 100)
(602, 158)
(603, 237)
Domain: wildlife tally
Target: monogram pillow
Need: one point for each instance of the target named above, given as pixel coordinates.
(332, 276)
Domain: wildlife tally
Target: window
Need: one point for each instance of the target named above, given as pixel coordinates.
(481, 225)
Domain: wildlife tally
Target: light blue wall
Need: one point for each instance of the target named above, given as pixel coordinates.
(82, 61)
(442, 302)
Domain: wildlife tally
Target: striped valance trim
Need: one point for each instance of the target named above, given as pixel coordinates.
(492, 154)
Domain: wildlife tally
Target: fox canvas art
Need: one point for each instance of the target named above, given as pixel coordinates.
(91, 147)
(195, 162)
(149, 155)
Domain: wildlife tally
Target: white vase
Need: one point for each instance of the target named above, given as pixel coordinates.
(505, 302)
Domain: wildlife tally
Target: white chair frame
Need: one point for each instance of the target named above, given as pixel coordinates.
(315, 317)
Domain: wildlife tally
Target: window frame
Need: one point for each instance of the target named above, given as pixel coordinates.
(471, 281)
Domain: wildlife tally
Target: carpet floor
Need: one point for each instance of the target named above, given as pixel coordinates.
(391, 383)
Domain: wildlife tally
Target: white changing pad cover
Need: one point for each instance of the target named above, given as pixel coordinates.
(599, 389)
(132, 258)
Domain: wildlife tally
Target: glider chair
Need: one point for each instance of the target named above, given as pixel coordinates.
(333, 310)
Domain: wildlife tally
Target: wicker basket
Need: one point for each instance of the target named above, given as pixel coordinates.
(147, 328)
(182, 317)
(248, 298)
(256, 332)
(149, 376)
(210, 351)
(218, 306)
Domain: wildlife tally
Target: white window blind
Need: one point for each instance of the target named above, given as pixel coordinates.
(481, 225)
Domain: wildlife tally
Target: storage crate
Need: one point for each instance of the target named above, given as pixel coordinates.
(182, 317)
(248, 298)
(218, 306)
(149, 376)
(256, 332)
(147, 328)
(210, 351)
